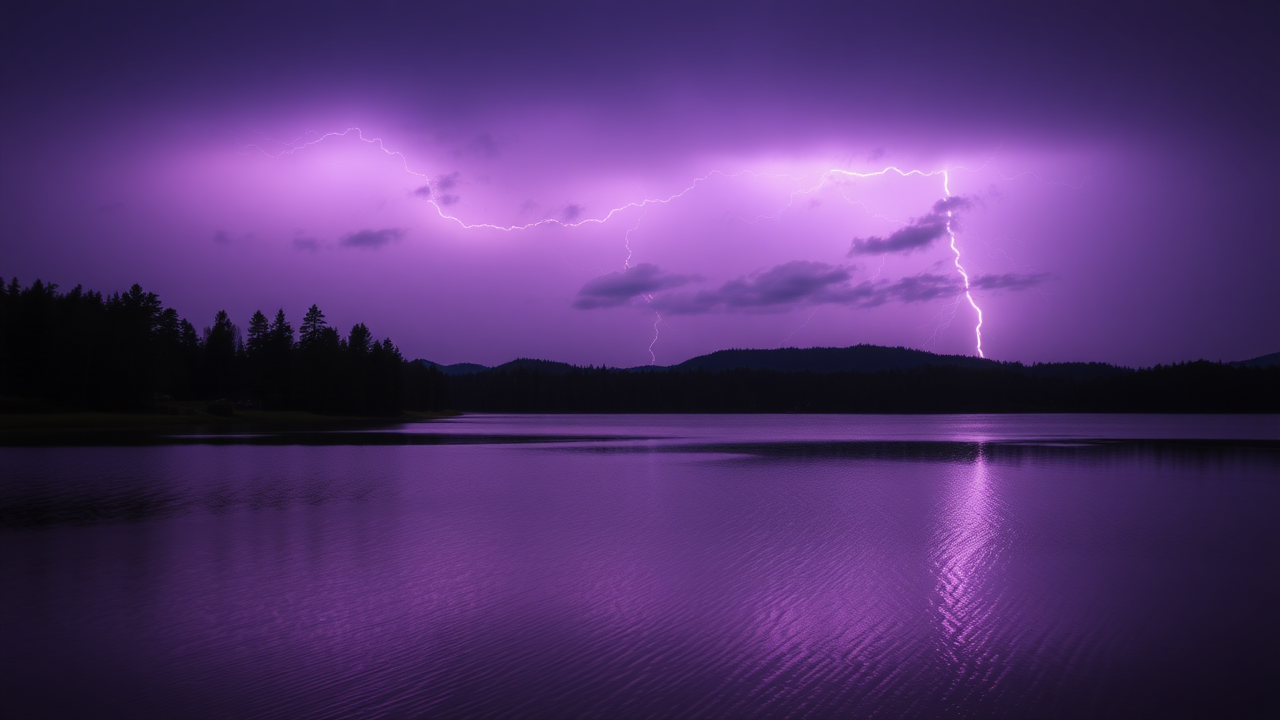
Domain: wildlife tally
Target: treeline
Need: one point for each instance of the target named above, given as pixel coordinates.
(126, 351)
(1196, 387)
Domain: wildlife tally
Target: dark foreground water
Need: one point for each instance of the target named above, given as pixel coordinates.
(670, 566)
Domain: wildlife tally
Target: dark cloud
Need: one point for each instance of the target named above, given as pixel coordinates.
(784, 284)
(306, 244)
(423, 192)
(783, 287)
(914, 288)
(445, 200)
(916, 235)
(372, 239)
(483, 145)
(445, 182)
(930, 286)
(1007, 281)
(222, 237)
(571, 213)
(798, 282)
(620, 288)
(954, 203)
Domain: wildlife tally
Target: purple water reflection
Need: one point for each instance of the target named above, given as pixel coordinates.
(684, 429)
(646, 579)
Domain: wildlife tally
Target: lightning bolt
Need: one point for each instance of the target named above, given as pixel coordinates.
(653, 359)
(824, 178)
(806, 324)
(627, 239)
(977, 330)
(881, 268)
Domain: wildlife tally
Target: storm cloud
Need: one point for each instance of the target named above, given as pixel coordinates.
(306, 244)
(798, 282)
(372, 239)
(222, 237)
(917, 234)
(780, 288)
(1007, 281)
(446, 182)
(620, 288)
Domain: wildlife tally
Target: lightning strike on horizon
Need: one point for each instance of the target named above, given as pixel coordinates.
(806, 324)
(653, 359)
(940, 324)
(977, 330)
(823, 179)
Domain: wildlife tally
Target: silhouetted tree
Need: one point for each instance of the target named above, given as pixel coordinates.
(256, 351)
(279, 362)
(220, 345)
(319, 364)
(127, 351)
(132, 319)
(385, 380)
(356, 369)
(312, 323)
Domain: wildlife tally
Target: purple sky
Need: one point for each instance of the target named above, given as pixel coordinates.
(1109, 173)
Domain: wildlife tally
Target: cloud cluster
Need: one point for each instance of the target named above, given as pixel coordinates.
(1007, 281)
(621, 288)
(436, 189)
(222, 237)
(781, 288)
(306, 244)
(917, 234)
(794, 283)
(372, 239)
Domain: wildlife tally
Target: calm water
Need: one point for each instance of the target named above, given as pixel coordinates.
(652, 566)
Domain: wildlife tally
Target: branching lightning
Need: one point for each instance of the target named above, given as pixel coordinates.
(977, 330)
(805, 325)
(824, 178)
(653, 359)
(627, 239)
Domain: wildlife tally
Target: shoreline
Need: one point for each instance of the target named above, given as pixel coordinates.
(111, 428)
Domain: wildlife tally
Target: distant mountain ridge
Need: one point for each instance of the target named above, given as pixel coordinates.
(457, 368)
(827, 360)
(1271, 360)
(544, 366)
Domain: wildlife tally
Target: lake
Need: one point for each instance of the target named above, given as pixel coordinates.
(651, 566)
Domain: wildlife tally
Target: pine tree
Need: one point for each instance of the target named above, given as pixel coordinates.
(220, 353)
(359, 339)
(312, 324)
(259, 334)
(281, 333)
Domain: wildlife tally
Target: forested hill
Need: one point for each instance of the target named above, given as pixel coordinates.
(551, 367)
(862, 379)
(1272, 360)
(876, 359)
(819, 361)
(824, 360)
(126, 351)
